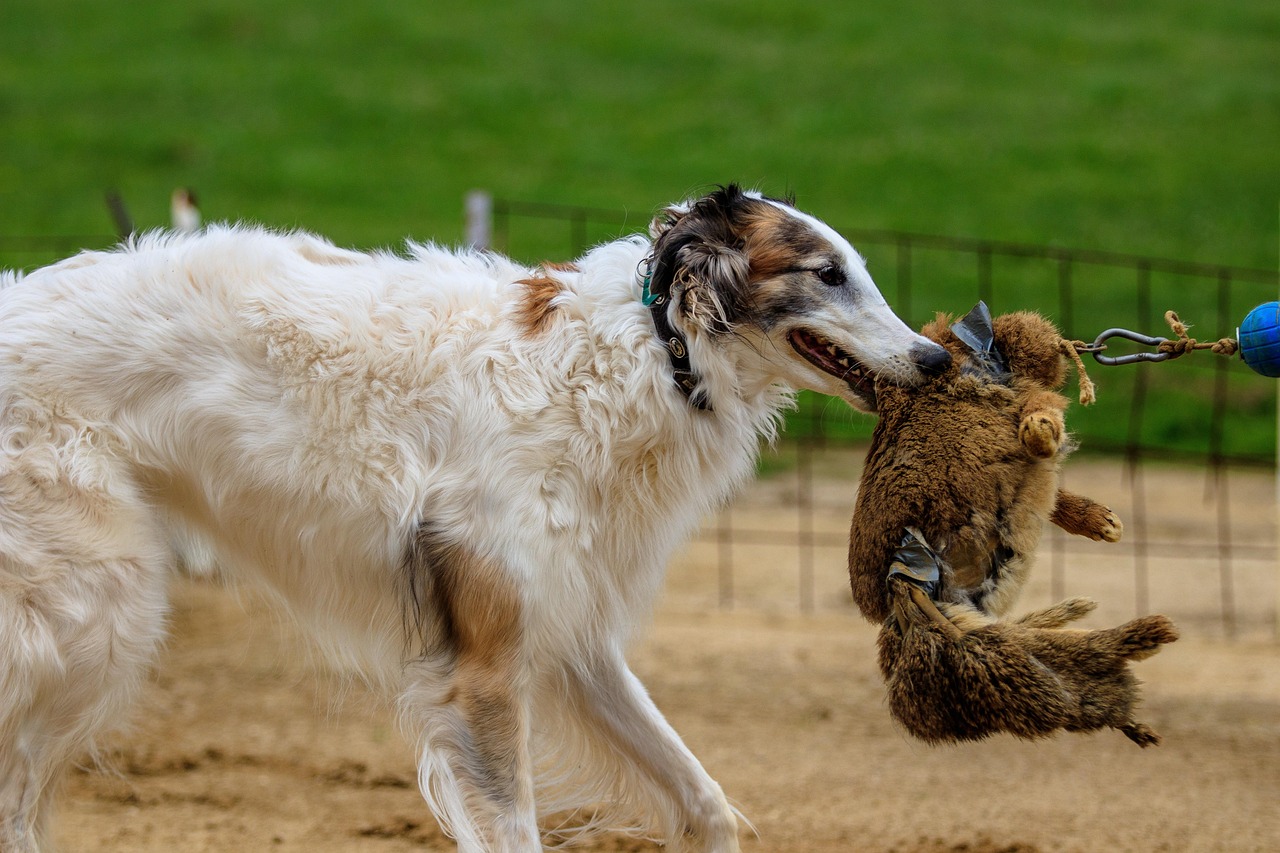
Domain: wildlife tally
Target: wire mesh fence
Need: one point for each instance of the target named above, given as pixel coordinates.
(1202, 430)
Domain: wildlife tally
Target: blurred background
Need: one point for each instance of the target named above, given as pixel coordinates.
(1148, 127)
(1149, 130)
(1100, 162)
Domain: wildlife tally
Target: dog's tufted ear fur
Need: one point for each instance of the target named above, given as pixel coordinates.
(699, 260)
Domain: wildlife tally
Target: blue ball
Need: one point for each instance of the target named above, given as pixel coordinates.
(1259, 337)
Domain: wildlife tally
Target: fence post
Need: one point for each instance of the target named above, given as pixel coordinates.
(478, 208)
(724, 554)
(1219, 468)
(1133, 450)
(119, 214)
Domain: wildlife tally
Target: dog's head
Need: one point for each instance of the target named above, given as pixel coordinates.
(740, 267)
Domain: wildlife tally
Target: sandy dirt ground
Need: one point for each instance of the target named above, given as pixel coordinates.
(241, 744)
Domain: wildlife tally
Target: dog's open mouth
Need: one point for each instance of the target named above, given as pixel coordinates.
(829, 358)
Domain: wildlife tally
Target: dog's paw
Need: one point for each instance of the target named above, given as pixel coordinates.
(1041, 433)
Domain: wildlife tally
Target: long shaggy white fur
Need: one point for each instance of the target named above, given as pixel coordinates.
(463, 475)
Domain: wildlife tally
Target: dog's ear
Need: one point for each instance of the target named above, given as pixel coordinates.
(668, 218)
(698, 254)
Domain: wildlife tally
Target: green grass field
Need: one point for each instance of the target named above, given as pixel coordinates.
(1151, 129)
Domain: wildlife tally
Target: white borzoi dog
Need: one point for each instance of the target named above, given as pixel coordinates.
(463, 476)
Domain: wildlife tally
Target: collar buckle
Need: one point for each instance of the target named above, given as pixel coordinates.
(672, 341)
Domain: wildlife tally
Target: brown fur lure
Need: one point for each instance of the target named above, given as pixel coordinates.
(960, 477)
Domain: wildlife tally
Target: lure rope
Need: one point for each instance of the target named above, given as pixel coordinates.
(1167, 348)
(1072, 349)
(1185, 344)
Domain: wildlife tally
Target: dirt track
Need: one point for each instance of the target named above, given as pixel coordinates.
(240, 745)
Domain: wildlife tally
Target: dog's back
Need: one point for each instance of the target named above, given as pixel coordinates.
(303, 408)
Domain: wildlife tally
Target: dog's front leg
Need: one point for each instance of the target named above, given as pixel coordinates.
(474, 767)
(468, 702)
(655, 765)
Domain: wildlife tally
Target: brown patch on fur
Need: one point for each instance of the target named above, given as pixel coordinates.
(480, 622)
(484, 614)
(777, 243)
(970, 460)
(481, 606)
(717, 256)
(535, 309)
(558, 266)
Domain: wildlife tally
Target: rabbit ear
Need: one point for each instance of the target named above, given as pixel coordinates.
(976, 332)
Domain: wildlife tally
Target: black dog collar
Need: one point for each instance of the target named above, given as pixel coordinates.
(677, 349)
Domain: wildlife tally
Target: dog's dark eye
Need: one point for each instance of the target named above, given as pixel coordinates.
(833, 276)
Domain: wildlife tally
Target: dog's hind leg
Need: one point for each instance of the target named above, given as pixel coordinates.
(653, 762)
(82, 604)
(467, 702)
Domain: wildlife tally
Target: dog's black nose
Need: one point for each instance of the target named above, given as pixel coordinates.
(932, 359)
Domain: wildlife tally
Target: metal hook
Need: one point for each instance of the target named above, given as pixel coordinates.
(1095, 349)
